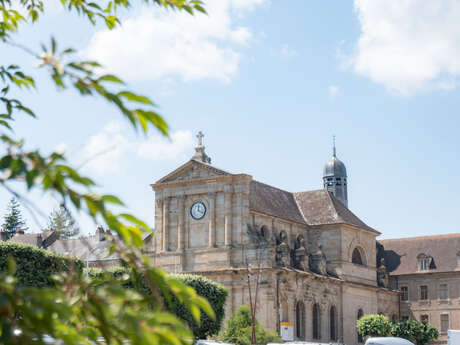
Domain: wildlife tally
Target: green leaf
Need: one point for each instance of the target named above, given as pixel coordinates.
(110, 78)
(112, 199)
(134, 98)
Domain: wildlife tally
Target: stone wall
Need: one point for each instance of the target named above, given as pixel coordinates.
(434, 306)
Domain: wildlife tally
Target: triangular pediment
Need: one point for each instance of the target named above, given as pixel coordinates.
(193, 170)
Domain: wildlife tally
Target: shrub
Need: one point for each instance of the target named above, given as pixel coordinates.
(238, 330)
(34, 266)
(215, 293)
(374, 326)
(420, 333)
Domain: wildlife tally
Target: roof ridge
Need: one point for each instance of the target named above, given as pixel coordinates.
(422, 237)
(269, 185)
(312, 191)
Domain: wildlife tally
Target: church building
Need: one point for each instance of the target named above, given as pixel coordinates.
(318, 260)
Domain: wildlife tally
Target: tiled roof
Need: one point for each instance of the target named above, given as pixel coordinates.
(401, 254)
(321, 207)
(32, 239)
(85, 248)
(274, 202)
(313, 208)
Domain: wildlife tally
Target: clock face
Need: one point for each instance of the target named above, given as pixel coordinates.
(198, 210)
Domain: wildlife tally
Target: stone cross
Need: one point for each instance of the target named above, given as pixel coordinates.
(200, 136)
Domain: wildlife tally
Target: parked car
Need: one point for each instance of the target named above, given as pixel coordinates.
(388, 341)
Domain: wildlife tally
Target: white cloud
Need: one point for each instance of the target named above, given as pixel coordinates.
(160, 44)
(109, 150)
(61, 148)
(409, 45)
(158, 147)
(287, 52)
(105, 151)
(333, 90)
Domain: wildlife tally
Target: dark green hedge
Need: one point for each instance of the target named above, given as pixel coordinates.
(215, 293)
(35, 266)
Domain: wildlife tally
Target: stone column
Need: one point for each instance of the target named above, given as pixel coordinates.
(158, 224)
(228, 219)
(212, 220)
(165, 237)
(181, 224)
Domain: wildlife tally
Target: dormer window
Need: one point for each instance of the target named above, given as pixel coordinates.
(424, 262)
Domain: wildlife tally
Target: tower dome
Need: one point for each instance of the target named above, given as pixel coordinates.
(335, 177)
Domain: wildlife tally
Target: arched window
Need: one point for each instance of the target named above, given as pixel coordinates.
(264, 232)
(316, 322)
(300, 320)
(356, 257)
(333, 323)
(360, 315)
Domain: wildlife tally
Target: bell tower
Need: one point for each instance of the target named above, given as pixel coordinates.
(335, 177)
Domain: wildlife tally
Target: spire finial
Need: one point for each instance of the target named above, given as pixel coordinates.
(200, 155)
(333, 146)
(200, 136)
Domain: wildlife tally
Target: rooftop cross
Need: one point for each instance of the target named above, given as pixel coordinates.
(200, 136)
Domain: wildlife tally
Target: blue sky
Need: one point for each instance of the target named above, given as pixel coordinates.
(269, 83)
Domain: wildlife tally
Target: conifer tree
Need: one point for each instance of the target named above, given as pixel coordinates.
(62, 222)
(13, 221)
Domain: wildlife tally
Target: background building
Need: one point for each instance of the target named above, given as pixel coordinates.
(427, 272)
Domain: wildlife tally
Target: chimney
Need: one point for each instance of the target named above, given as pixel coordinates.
(39, 241)
(20, 231)
(3, 235)
(100, 233)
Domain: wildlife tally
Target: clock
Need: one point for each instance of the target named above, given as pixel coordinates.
(198, 210)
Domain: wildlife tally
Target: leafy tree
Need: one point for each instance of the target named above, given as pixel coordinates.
(239, 329)
(13, 221)
(80, 310)
(420, 333)
(62, 222)
(373, 326)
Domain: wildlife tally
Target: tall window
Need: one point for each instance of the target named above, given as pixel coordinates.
(316, 322)
(424, 318)
(443, 291)
(423, 264)
(300, 320)
(404, 293)
(356, 257)
(333, 323)
(360, 315)
(444, 323)
(423, 292)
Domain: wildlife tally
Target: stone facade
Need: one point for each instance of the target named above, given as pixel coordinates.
(307, 276)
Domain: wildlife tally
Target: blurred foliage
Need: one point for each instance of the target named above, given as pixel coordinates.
(213, 292)
(239, 328)
(80, 310)
(374, 326)
(420, 333)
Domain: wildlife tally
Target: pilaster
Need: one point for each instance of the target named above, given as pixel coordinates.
(181, 224)
(165, 230)
(228, 218)
(212, 220)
